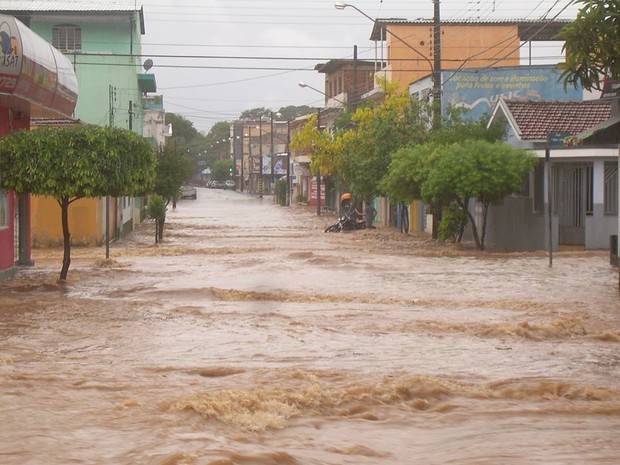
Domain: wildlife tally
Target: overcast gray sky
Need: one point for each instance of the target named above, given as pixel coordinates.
(253, 53)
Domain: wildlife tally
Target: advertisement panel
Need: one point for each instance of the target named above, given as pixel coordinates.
(11, 54)
(478, 90)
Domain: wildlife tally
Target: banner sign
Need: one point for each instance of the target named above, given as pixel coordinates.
(478, 90)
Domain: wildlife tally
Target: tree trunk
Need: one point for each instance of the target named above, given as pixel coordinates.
(464, 204)
(156, 231)
(160, 230)
(66, 236)
(483, 233)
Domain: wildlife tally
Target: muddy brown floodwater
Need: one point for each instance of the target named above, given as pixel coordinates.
(250, 337)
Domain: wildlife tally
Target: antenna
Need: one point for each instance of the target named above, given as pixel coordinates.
(148, 64)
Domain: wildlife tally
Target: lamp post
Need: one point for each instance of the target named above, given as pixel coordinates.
(303, 84)
(260, 162)
(435, 66)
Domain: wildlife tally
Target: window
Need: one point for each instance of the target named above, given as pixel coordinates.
(67, 37)
(610, 200)
(4, 210)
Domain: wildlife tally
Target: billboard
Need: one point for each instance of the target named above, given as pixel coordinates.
(478, 90)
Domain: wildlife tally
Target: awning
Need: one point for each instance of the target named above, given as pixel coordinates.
(146, 82)
(302, 159)
(34, 71)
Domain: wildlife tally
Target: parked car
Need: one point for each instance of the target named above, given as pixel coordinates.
(218, 185)
(229, 184)
(187, 192)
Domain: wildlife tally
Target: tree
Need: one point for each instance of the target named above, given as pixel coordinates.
(592, 44)
(318, 142)
(363, 153)
(222, 169)
(473, 169)
(72, 163)
(174, 168)
(156, 210)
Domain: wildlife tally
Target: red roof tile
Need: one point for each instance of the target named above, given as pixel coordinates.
(537, 119)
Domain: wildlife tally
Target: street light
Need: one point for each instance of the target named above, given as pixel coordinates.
(303, 84)
(435, 67)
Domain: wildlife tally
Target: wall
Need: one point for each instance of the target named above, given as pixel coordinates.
(458, 43)
(85, 218)
(513, 226)
(96, 74)
(10, 121)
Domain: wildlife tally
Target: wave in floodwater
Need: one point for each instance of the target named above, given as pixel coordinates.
(251, 337)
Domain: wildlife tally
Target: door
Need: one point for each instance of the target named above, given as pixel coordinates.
(573, 201)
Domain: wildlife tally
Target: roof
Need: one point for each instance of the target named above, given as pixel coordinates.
(68, 5)
(529, 30)
(533, 120)
(338, 64)
(56, 122)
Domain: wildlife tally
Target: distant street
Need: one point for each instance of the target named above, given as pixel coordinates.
(250, 336)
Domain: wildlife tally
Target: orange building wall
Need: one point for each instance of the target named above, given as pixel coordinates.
(84, 216)
(470, 46)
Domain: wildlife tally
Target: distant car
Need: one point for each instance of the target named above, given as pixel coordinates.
(187, 192)
(229, 184)
(218, 185)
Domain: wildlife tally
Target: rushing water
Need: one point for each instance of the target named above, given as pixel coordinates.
(250, 337)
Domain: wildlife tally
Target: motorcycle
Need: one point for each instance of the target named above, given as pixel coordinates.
(346, 222)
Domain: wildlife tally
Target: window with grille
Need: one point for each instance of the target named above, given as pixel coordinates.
(67, 37)
(611, 189)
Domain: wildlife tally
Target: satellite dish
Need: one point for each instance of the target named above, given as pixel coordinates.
(148, 64)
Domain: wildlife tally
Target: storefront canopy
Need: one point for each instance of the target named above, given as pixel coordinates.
(33, 71)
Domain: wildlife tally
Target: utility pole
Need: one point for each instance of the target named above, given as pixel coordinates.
(273, 152)
(436, 64)
(260, 164)
(318, 171)
(352, 98)
(112, 99)
(130, 115)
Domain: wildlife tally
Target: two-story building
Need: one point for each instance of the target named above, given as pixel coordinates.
(102, 41)
(36, 80)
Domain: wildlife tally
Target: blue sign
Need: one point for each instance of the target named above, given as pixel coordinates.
(479, 90)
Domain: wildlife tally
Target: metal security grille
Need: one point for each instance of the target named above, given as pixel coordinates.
(571, 204)
(573, 199)
(611, 189)
(67, 37)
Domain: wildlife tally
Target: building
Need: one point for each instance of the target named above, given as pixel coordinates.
(407, 47)
(102, 41)
(347, 80)
(36, 80)
(579, 178)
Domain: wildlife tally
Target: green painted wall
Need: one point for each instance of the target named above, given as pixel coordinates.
(107, 84)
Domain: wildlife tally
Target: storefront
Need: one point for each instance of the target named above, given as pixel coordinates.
(35, 80)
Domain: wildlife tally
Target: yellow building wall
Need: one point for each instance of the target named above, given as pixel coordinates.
(467, 46)
(85, 218)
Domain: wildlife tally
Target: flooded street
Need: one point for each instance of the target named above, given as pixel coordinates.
(250, 337)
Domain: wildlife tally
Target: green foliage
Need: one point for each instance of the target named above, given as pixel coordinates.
(174, 168)
(364, 153)
(592, 44)
(452, 224)
(474, 169)
(291, 112)
(156, 210)
(318, 142)
(280, 191)
(221, 169)
(83, 161)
